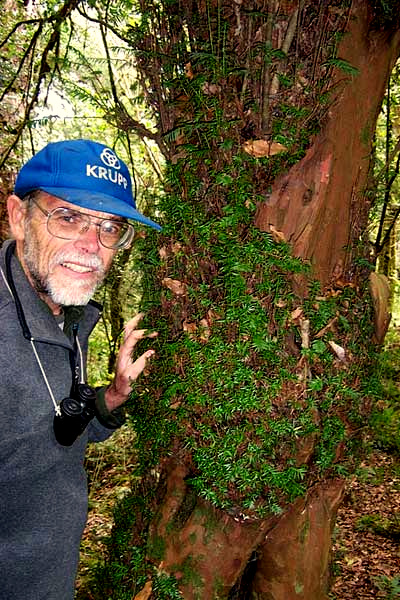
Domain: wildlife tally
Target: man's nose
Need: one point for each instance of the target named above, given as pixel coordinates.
(88, 239)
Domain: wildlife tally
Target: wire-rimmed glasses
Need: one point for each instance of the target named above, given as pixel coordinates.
(70, 224)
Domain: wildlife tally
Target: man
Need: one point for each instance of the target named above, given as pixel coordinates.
(68, 218)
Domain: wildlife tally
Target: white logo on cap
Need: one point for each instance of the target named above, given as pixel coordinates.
(110, 173)
(110, 159)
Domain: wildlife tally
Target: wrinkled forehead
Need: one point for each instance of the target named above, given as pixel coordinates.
(50, 202)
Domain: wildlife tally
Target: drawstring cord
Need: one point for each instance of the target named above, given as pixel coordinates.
(56, 406)
(80, 359)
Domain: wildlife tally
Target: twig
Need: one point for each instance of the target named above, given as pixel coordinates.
(290, 31)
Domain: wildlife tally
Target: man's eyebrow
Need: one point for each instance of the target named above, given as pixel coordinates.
(107, 217)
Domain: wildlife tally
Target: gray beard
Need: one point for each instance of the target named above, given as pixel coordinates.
(44, 284)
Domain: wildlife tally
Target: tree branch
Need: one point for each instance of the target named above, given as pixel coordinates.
(58, 19)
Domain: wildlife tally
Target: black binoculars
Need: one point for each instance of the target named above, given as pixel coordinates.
(76, 413)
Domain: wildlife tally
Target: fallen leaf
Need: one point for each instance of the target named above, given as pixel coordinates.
(260, 148)
(177, 287)
(145, 593)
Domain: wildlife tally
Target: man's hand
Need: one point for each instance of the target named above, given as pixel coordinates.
(127, 370)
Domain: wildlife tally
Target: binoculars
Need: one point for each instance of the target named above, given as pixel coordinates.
(76, 413)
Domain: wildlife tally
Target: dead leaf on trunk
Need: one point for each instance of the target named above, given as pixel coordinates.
(145, 593)
(175, 405)
(163, 252)
(277, 236)
(260, 148)
(201, 332)
(173, 248)
(204, 330)
(176, 247)
(177, 287)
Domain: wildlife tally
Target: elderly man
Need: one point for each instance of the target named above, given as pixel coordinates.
(68, 218)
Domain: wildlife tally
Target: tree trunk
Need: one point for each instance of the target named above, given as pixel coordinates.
(321, 205)
(207, 550)
(294, 559)
(259, 395)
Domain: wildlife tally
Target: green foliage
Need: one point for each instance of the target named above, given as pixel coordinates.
(230, 393)
(165, 587)
(343, 65)
(115, 578)
(385, 417)
(385, 424)
(389, 586)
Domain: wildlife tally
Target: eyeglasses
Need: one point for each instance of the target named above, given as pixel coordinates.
(70, 224)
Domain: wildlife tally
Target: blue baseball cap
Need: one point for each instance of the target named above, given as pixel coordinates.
(84, 173)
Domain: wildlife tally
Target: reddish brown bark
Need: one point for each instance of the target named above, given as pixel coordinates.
(320, 205)
(206, 549)
(294, 558)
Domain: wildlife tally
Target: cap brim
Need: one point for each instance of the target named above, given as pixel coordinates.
(101, 203)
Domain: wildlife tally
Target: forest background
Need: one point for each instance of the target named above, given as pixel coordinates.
(264, 135)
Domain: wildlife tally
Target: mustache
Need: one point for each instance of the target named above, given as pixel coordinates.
(87, 260)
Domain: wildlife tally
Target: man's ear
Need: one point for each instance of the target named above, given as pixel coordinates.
(16, 216)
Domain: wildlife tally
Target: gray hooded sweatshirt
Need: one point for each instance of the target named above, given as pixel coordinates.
(43, 490)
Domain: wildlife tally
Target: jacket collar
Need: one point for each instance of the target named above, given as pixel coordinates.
(39, 318)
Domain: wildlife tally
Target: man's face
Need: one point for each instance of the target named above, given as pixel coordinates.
(63, 272)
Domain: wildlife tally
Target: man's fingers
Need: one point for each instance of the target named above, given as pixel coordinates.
(136, 335)
(131, 332)
(133, 323)
(139, 364)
